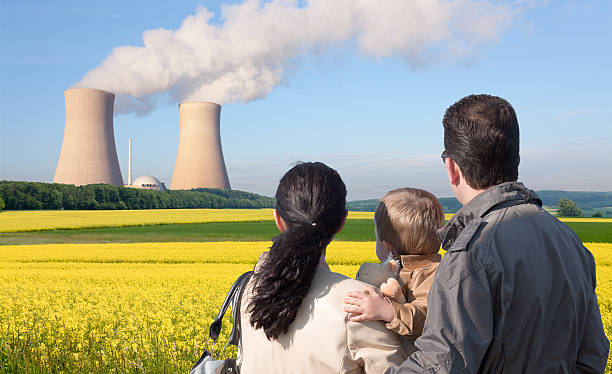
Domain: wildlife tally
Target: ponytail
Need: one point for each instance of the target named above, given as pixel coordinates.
(283, 279)
(311, 200)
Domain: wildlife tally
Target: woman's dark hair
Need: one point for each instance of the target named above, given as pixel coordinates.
(311, 199)
(481, 134)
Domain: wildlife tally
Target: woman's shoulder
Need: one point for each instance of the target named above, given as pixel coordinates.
(369, 342)
(335, 284)
(346, 282)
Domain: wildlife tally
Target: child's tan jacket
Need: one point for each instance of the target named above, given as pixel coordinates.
(416, 277)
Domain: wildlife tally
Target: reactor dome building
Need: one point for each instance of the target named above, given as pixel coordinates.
(88, 153)
(199, 160)
(148, 182)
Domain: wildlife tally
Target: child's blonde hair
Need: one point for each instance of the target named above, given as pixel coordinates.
(407, 218)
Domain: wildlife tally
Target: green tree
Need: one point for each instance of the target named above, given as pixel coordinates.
(568, 208)
(55, 200)
(597, 214)
(1, 204)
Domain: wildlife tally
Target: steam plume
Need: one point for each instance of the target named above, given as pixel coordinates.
(244, 57)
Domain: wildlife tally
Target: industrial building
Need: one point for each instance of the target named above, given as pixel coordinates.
(147, 182)
(88, 153)
(199, 160)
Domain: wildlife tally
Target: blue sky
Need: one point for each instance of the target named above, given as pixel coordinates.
(377, 120)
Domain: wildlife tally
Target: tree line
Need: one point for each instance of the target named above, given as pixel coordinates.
(35, 195)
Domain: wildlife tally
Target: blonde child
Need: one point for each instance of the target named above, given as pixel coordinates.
(406, 221)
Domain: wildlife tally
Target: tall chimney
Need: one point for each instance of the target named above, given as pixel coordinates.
(88, 152)
(199, 161)
(130, 161)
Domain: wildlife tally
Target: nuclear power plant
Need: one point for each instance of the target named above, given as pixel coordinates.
(88, 152)
(89, 155)
(199, 160)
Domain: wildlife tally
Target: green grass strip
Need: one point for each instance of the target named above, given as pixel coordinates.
(354, 230)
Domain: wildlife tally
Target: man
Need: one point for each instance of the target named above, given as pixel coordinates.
(515, 292)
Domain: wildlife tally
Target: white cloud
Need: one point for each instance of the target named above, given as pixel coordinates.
(247, 55)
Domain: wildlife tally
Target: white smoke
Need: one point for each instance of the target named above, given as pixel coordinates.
(245, 57)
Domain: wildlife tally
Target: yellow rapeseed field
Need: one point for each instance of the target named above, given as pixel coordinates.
(142, 307)
(128, 307)
(15, 220)
(11, 221)
(341, 253)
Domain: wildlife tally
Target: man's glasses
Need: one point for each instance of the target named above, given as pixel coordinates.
(444, 156)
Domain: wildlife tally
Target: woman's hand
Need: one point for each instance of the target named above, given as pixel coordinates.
(368, 305)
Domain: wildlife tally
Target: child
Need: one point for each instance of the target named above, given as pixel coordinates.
(406, 221)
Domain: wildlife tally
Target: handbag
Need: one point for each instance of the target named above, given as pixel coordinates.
(207, 364)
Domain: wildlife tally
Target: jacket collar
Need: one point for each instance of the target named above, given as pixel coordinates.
(509, 192)
(412, 262)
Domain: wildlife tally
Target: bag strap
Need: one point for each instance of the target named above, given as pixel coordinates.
(236, 289)
(234, 337)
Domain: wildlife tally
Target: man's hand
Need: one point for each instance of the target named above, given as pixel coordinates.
(368, 305)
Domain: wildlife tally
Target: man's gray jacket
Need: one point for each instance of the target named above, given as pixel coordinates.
(515, 293)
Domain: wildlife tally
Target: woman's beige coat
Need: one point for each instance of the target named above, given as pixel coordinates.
(321, 339)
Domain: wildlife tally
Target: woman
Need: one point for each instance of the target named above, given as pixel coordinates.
(292, 318)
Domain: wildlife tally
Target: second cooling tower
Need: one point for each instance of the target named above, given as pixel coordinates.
(199, 161)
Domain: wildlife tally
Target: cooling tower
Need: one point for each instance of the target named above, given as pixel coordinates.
(199, 161)
(88, 152)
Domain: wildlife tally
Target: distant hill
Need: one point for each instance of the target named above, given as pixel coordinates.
(587, 201)
(449, 204)
(362, 205)
(584, 200)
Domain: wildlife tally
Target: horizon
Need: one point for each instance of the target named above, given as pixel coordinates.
(372, 114)
(348, 201)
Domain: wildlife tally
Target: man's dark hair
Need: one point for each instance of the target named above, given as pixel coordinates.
(481, 135)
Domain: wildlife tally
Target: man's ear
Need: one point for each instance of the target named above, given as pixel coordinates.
(453, 172)
(280, 222)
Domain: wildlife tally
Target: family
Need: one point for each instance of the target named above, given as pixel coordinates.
(513, 293)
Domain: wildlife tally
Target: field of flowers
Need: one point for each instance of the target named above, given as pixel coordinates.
(338, 253)
(128, 307)
(25, 220)
(141, 307)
